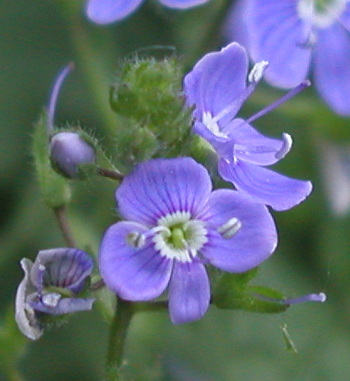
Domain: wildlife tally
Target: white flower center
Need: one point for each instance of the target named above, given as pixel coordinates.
(321, 13)
(180, 237)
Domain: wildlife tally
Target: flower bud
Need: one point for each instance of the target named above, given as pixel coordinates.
(68, 151)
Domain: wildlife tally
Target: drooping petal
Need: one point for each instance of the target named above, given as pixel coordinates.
(108, 11)
(162, 186)
(332, 67)
(189, 292)
(25, 315)
(217, 81)
(64, 306)
(54, 96)
(254, 240)
(255, 148)
(182, 4)
(279, 36)
(266, 186)
(136, 274)
(64, 267)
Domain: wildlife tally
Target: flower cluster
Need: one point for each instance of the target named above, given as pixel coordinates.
(294, 35)
(175, 225)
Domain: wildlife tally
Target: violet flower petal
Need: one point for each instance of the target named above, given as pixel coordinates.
(25, 314)
(271, 188)
(217, 81)
(332, 67)
(189, 292)
(278, 35)
(134, 274)
(182, 4)
(160, 187)
(236, 27)
(64, 267)
(108, 11)
(254, 241)
(64, 306)
(255, 148)
(345, 17)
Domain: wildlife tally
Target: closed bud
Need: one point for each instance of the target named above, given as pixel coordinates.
(68, 151)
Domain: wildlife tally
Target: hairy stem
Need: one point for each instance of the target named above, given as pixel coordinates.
(119, 328)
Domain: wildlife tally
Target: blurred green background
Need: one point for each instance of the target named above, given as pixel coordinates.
(39, 37)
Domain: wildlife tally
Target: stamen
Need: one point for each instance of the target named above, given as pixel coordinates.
(321, 297)
(136, 240)
(54, 95)
(292, 93)
(257, 71)
(287, 145)
(229, 228)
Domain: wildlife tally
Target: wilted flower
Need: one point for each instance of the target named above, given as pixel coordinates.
(50, 286)
(108, 11)
(68, 150)
(217, 87)
(294, 35)
(175, 226)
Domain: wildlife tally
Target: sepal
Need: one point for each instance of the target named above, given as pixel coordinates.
(54, 188)
(233, 292)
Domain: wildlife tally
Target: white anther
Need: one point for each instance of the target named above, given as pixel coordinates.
(136, 240)
(51, 299)
(229, 228)
(258, 71)
(287, 145)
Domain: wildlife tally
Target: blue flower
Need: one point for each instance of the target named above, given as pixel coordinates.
(216, 88)
(175, 226)
(294, 35)
(108, 11)
(50, 286)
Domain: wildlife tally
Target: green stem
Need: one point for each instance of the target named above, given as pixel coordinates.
(63, 224)
(119, 328)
